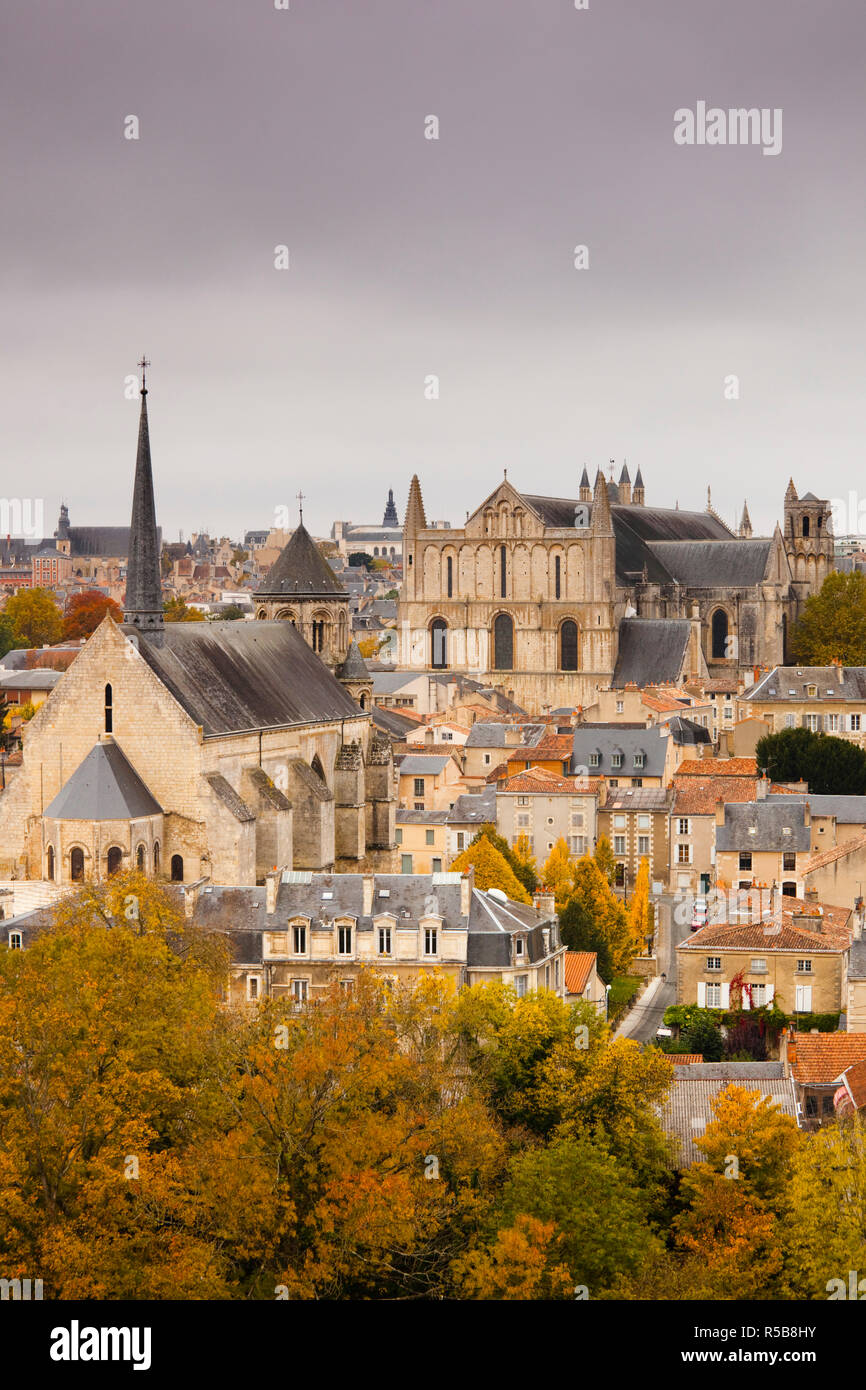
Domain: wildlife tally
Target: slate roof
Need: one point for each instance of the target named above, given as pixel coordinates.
(354, 667)
(405, 816)
(651, 651)
(634, 527)
(770, 819)
(688, 1108)
(236, 677)
(638, 799)
(301, 570)
(104, 787)
(848, 810)
(607, 739)
(394, 722)
(686, 731)
(716, 563)
(474, 808)
(857, 960)
(103, 541)
(422, 765)
(790, 683)
(490, 733)
(33, 679)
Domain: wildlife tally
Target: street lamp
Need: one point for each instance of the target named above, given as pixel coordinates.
(606, 1003)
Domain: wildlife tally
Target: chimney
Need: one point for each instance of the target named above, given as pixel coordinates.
(190, 896)
(762, 787)
(467, 882)
(720, 812)
(840, 673)
(544, 903)
(808, 921)
(810, 895)
(857, 923)
(368, 885)
(272, 884)
(787, 1050)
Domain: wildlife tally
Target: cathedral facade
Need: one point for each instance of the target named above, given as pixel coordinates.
(532, 593)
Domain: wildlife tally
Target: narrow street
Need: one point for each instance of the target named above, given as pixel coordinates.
(641, 1022)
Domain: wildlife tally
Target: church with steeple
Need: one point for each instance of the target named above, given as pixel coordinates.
(553, 598)
(226, 752)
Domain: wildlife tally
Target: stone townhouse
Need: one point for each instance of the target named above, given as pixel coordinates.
(546, 807)
(429, 782)
(301, 933)
(195, 750)
(694, 816)
(763, 843)
(423, 841)
(825, 699)
(470, 811)
(796, 956)
(636, 820)
(491, 743)
(624, 755)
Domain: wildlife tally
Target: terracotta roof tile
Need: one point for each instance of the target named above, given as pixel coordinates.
(821, 1057)
(683, 1058)
(774, 934)
(539, 780)
(831, 855)
(854, 1079)
(578, 968)
(718, 767)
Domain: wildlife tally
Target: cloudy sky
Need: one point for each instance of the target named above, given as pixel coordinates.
(411, 257)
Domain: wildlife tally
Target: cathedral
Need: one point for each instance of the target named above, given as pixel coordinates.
(552, 598)
(208, 750)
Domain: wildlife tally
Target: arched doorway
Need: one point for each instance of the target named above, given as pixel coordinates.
(114, 860)
(503, 643)
(789, 889)
(438, 644)
(719, 630)
(568, 646)
(76, 865)
(177, 868)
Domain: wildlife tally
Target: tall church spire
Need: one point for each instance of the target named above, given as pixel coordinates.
(745, 522)
(142, 607)
(390, 518)
(415, 519)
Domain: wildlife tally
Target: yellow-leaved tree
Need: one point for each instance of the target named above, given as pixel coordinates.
(491, 870)
(600, 905)
(558, 872)
(640, 912)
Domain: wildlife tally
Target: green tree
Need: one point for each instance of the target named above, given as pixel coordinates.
(35, 617)
(231, 613)
(831, 766)
(7, 634)
(581, 931)
(832, 626)
(703, 1035)
(359, 558)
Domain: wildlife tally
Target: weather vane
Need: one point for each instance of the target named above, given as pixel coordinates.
(301, 507)
(144, 364)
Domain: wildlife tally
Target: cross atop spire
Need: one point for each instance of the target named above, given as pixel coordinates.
(143, 364)
(300, 496)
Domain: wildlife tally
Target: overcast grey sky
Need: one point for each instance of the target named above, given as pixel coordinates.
(409, 256)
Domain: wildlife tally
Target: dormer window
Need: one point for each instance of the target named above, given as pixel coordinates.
(518, 946)
(639, 759)
(594, 759)
(616, 759)
(812, 690)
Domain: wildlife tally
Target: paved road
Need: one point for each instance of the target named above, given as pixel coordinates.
(641, 1022)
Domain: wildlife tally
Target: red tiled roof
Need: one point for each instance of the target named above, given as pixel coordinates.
(664, 704)
(578, 968)
(820, 1057)
(680, 1059)
(718, 767)
(539, 780)
(854, 1077)
(698, 798)
(774, 934)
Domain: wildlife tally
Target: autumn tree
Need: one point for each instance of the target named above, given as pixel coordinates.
(522, 866)
(604, 858)
(832, 626)
(85, 611)
(491, 869)
(641, 913)
(824, 1232)
(595, 897)
(176, 611)
(581, 931)
(35, 617)
(7, 634)
(557, 872)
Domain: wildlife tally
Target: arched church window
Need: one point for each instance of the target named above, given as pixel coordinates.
(177, 868)
(503, 572)
(114, 859)
(50, 862)
(76, 865)
(568, 646)
(109, 709)
(720, 634)
(557, 576)
(503, 643)
(449, 567)
(139, 859)
(156, 858)
(438, 643)
(805, 526)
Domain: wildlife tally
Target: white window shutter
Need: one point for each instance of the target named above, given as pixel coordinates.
(747, 1003)
(771, 990)
(804, 999)
(726, 996)
(702, 995)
